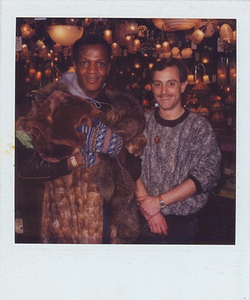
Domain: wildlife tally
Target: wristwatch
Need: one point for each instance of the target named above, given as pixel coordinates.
(161, 202)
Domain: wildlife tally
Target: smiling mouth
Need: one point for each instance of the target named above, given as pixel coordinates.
(92, 80)
(165, 98)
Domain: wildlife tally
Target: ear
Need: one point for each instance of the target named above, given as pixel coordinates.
(183, 86)
(152, 86)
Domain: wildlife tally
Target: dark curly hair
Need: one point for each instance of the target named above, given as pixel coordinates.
(171, 62)
(90, 39)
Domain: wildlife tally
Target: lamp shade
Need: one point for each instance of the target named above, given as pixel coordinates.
(180, 24)
(159, 23)
(65, 35)
(197, 36)
(27, 31)
(175, 51)
(226, 32)
(187, 53)
(175, 24)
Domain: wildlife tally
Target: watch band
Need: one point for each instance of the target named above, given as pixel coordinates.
(73, 162)
(161, 202)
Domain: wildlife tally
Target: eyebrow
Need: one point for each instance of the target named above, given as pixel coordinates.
(167, 81)
(83, 57)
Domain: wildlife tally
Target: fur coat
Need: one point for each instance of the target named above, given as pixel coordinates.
(73, 204)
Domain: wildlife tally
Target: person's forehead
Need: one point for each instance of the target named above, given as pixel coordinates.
(101, 49)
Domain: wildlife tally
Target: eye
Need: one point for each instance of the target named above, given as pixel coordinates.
(84, 63)
(157, 84)
(101, 64)
(171, 83)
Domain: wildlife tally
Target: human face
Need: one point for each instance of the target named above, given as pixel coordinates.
(167, 90)
(92, 67)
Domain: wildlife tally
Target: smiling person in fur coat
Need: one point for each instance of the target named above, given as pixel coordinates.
(89, 173)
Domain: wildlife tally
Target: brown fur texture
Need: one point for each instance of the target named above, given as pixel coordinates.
(53, 124)
(73, 204)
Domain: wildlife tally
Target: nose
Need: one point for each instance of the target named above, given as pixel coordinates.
(164, 90)
(92, 67)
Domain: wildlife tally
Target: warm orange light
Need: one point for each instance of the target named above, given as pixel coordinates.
(197, 36)
(158, 46)
(116, 50)
(137, 44)
(32, 72)
(108, 36)
(150, 66)
(190, 79)
(38, 76)
(27, 31)
(65, 35)
(186, 53)
(165, 46)
(47, 72)
(226, 33)
(206, 79)
(227, 88)
(175, 51)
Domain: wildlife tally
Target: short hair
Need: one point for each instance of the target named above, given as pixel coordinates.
(171, 62)
(90, 39)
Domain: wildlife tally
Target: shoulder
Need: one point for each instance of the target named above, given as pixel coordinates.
(150, 122)
(198, 120)
(149, 115)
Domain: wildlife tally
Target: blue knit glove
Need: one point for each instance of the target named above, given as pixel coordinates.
(89, 159)
(100, 139)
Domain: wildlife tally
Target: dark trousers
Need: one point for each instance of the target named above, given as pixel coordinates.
(181, 230)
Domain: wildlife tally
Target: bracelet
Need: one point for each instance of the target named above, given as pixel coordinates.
(161, 202)
(74, 162)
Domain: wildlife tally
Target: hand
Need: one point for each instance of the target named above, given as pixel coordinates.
(158, 224)
(149, 206)
(83, 159)
(101, 139)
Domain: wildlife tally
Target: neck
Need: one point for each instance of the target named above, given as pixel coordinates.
(171, 114)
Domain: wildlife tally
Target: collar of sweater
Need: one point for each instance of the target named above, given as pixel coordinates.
(170, 123)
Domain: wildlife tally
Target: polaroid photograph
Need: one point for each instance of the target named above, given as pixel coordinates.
(124, 162)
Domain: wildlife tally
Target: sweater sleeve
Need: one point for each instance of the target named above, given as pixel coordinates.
(207, 157)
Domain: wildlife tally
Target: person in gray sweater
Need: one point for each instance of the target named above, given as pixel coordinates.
(180, 164)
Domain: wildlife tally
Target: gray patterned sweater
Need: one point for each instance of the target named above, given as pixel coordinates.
(178, 150)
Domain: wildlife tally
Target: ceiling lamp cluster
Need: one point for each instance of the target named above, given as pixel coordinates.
(131, 36)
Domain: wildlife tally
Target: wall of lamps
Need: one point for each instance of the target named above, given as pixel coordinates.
(42, 42)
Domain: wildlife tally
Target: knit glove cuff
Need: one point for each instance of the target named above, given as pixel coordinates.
(89, 159)
(100, 139)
